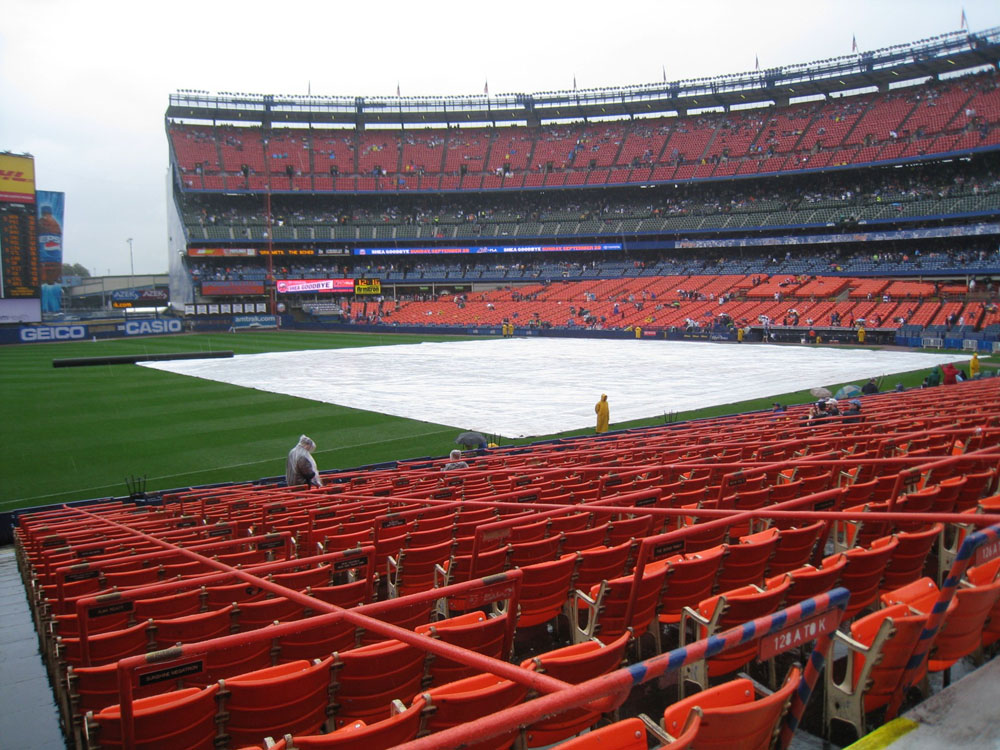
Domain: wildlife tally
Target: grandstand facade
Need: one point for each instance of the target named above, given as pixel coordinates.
(881, 165)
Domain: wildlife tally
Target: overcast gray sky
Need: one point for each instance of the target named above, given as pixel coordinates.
(85, 85)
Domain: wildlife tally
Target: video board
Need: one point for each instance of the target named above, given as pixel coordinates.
(19, 252)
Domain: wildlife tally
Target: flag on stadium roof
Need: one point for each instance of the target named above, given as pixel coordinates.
(965, 21)
(854, 43)
(397, 89)
(756, 62)
(486, 87)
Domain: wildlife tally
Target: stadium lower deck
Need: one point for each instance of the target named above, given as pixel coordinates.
(547, 595)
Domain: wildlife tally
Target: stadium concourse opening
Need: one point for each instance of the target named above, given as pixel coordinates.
(544, 591)
(486, 385)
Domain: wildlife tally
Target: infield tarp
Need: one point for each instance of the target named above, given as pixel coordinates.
(540, 386)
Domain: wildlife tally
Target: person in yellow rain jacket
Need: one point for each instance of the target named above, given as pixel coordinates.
(603, 414)
(974, 366)
(861, 335)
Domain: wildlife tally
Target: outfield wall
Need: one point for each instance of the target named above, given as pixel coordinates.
(83, 331)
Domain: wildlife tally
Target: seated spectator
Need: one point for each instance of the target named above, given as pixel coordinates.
(455, 461)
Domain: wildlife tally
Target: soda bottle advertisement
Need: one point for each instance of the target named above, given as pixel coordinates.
(50, 247)
(50, 223)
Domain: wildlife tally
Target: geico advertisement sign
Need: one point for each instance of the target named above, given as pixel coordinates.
(53, 333)
(143, 327)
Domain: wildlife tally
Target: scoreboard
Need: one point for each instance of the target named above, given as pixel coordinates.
(19, 252)
(367, 286)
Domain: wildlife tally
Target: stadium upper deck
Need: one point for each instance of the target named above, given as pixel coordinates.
(784, 157)
(903, 110)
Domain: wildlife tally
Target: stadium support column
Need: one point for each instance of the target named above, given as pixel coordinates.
(270, 253)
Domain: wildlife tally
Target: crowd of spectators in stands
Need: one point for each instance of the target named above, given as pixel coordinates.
(847, 190)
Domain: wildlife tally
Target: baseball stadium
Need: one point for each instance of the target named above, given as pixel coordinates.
(654, 416)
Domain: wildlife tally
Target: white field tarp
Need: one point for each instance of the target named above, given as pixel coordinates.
(538, 386)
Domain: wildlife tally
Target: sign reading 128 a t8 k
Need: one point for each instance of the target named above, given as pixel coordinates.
(367, 286)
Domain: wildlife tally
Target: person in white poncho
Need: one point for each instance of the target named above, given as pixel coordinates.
(300, 468)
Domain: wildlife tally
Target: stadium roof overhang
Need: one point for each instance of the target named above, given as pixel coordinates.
(940, 55)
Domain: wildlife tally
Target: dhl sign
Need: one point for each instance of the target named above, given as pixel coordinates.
(17, 178)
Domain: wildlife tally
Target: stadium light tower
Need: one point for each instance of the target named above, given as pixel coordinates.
(131, 262)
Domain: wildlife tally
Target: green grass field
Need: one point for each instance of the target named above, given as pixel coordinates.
(78, 433)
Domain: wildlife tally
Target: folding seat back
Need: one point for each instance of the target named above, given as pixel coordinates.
(635, 733)
(125, 578)
(746, 562)
(977, 485)
(691, 578)
(469, 699)
(733, 717)
(545, 590)
(300, 579)
(727, 610)
(863, 573)
(180, 720)
(402, 726)
(344, 595)
(573, 664)
(906, 564)
(961, 632)
(884, 485)
(530, 553)
(259, 614)
(229, 662)
(748, 499)
(704, 538)
(598, 564)
(187, 569)
(105, 648)
(787, 491)
(984, 575)
(461, 568)
(581, 539)
(247, 557)
(403, 613)
(625, 529)
(342, 540)
(69, 625)
(878, 649)
(569, 523)
(96, 688)
(222, 595)
(530, 531)
(808, 581)
(475, 631)
(686, 497)
(201, 626)
(948, 491)
(430, 536)
(619, 604)
(367, 679)
(173, 605)
(288, 698)
(795, 547)
(860, 493)
(389, 540)
(316, 641)
(413, 570)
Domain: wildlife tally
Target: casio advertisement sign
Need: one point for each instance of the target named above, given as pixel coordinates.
(146, 327)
